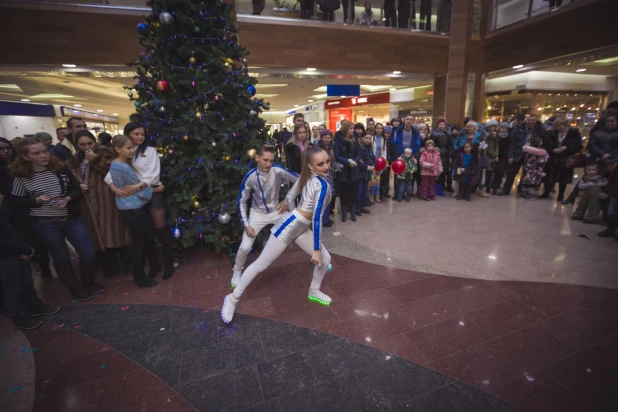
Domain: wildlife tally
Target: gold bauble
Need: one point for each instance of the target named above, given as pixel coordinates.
(192, 60)
(227, 158)
(185, 138)
(251, 153)
(197, 203)
(198, 114)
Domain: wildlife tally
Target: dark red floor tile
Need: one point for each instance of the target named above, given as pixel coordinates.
(366, 267)
(73, 346)
(539, 392)
(165, 403)
(313, 316)
(396, 277)
(431, 310)
(358, 285)
(338, 274)
(504, 317)
(76, 371)
(476, 368)
(364, 303)
(297, 299)
(129, 391)
(420, 289)
(370, 327)
(211, 300)
(260, 290)
(587, 377)
(523, 287)
(582, 327)
(605, 352)
(447, 337)
(261, 307)
(401, 346)
(473, 297)
(526, 349)
(556, 299)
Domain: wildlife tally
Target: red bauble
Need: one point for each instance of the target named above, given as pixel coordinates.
(163, 85)
(398, 166)
(380, 163)
(170, 152)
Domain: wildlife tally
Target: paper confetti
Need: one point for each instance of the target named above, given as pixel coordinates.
(77, 327)
(336, 233)
(46, 381)
(102, 366)
(62, 325)
(162, 329)
(124, 308)
(18, 388)
(206, 311)
(74, 301)
(85, 334)
(126, 293)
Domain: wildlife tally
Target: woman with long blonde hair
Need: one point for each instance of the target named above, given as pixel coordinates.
(295, 147)
(302, 225)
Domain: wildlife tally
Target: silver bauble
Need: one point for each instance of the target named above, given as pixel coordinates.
(166, 18)
(224, 218)
(253, 113)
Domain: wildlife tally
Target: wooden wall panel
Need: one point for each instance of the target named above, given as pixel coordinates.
(439, 98)
(566, 31)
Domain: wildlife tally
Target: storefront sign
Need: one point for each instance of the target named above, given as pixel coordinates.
(86, 115)
(429, 93)
(359, 101)
(309, 108)
(414, 112)
(335, 117)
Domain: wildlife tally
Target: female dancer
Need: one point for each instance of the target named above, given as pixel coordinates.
(50, 191)
(147, 164)
(296, 226)
(97, 205)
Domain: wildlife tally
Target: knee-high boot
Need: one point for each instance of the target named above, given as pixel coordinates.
(67, 275)
(353, 213)
(344, 211)
(165, 238)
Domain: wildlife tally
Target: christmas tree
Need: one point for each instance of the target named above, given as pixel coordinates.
(195, 97)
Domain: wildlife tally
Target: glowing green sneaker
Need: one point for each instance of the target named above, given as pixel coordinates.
(319, 297)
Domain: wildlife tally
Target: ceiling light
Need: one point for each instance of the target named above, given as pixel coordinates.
(25, 100)
(610, 60)
(310, 101)
(77, 105)
(519, 66)
(295, 105)
(343, 97)
(311, 69)
(396, 72)
(51, 96)
(11, 86)
(100, 111)
(70, 66)
(392, 89)
(580, 70)
(114, 114)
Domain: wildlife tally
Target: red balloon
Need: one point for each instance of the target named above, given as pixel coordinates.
(380, 163)
(398, 166)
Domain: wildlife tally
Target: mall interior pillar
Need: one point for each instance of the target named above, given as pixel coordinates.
(439, 98)
(457, 69)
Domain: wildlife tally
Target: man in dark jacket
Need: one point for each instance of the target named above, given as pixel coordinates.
(611, 108)
(67, 148)
(16, 276)
(611, 193)
(519, 137)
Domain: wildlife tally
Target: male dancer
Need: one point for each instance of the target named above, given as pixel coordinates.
(262, 185)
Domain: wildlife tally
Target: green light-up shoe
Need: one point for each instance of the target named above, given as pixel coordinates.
(319, 297)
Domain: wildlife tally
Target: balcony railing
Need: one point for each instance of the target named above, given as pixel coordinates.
(507, 12)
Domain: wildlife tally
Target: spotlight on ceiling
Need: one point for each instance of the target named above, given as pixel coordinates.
(25, 100)
(77, 105)
(580, 70)
(311, 69)
(396, 72)
(69, 66)
(519, 66)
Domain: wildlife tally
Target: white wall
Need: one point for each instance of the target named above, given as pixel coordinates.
(536, 80)
(13, 126)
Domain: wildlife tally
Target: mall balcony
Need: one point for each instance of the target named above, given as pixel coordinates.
(458, 44)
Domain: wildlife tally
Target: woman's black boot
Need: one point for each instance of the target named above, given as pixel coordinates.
(165, 238)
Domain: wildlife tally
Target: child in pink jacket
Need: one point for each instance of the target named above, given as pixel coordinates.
(431, 168)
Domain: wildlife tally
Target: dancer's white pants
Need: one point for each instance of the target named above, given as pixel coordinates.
(257, 220)
(273, 249)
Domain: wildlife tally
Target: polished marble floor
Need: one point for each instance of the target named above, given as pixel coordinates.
(415, 326)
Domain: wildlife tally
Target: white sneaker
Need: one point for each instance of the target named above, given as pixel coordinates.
(316, 295)
(236, 278)
(229, 306)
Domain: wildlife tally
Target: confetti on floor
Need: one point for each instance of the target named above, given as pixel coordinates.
(206, 311)
(336, 233)
(162, 329)
(77, 327)
(74, 301)
(126, 293)
(102, 366)
(46, 381)
(16, 389)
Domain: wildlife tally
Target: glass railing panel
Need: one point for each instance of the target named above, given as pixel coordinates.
(507, 12)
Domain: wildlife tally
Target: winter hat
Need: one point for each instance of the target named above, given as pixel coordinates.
(388, 129)
(430, 142)
(42, 136)
(326, 132)
(441, 120)
(504, 125)
(421, 126)
(491, 122)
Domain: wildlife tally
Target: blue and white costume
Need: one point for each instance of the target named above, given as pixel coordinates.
(263, 190)
(292, 227)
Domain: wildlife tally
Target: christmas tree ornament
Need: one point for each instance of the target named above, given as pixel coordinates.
(137, 104)
(253, 112)
(214, 144)
(185, 138)
(251, 90)
(197, 203)
(193, 84)
(251, 154)
(224, 218)
(177, 233)
(162, 109)
(227, 158)
(143, 29)
(196, 29)
(166, 19)
(163, 85)
(198, 114)
(160, 151)
(201, 236)
(170, 152)
(130, 94)
(330, 267)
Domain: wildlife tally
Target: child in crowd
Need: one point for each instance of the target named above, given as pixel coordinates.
(590, 187)
(535, 158)
(367, 15)
(133, 209)
(501, 161)
(466, 165)
(374, 187)
(431, 168)
(404, 181)
(367, 166)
